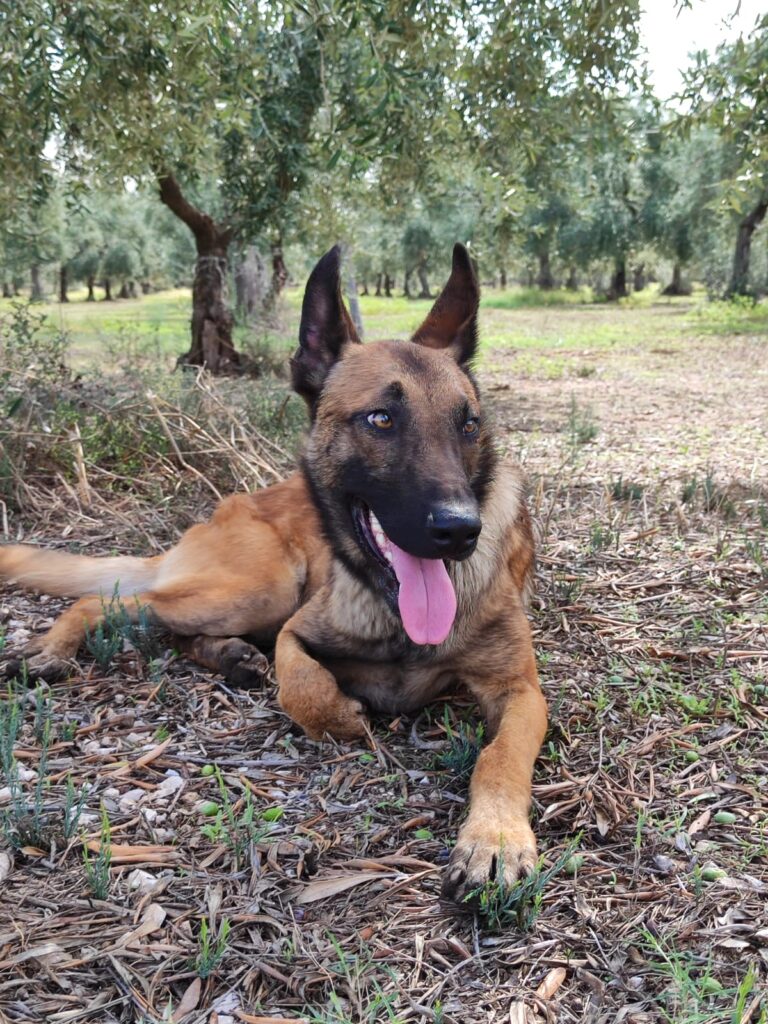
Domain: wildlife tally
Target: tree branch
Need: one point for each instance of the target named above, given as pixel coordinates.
(202, 225)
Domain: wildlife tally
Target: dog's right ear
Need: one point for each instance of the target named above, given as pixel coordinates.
(326, 328)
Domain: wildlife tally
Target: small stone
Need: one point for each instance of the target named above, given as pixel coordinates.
(130, 800)
(142, 881)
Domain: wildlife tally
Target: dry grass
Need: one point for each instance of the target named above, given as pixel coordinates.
(651, 627)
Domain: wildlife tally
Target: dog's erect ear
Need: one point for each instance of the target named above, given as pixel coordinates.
(326, 328)
(452, 321)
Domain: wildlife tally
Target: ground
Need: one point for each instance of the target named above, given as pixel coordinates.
(258, 876)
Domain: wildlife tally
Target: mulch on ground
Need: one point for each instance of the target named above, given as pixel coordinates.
(649, 480)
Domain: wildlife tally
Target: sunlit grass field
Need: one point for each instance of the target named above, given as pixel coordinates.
(157, 326)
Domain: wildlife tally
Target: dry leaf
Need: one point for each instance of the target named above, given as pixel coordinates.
(322, 888)
(151, 920)
(551, 983)
(188, 1002)
(248, 1018)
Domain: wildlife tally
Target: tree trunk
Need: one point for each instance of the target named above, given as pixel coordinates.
(7, 290)
(618, 287)
(572, 284)
(107, 290)
(63, 297)
(378, 285)
(124, 293)
(18, 284)
(502, 278)
(36, 293)
(545, 280)
(91, 282)
(638, 278)
(739, 283)
(407, 285)
(389, 284)
(677, 286)
(365, 287)
(421, 273)
(212, 319)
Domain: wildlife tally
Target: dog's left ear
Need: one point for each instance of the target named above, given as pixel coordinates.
(452, 321)
(326, 328)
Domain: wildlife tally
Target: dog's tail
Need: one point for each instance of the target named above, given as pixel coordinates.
(64, 575)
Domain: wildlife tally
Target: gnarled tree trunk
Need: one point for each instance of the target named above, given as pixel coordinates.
(212, 319)
(545, 279)
(618, 285)
(677, 286)
(739, 283)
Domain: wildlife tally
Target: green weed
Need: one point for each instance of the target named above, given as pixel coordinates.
(463, 748)
(501, 906)
(210, 951)
(239, 829)
(97, 867)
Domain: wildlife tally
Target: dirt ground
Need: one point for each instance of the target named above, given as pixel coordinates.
(648, 466)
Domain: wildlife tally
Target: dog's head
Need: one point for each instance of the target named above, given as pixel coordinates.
(398, 458)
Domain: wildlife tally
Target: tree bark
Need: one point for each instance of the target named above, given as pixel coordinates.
(618, 286)
(91, 282)
(389, 284)
(36, 293)
(107, 290)
(421, 273)
(545, 280)
(212, 320)
(379, 278)
(677, 286)
(739, 283)
(63, 297)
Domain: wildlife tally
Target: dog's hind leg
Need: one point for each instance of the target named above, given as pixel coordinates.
(234, 606)
(239, 662)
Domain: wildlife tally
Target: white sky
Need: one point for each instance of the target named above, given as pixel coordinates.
(669, 36)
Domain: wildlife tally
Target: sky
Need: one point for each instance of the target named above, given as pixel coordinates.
(669, 36)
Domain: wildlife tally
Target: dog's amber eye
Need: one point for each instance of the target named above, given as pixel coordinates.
(380, 419)
(472, 426)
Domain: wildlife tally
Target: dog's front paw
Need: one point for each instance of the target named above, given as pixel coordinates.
(343, 718)
(502, 850)
(321, 709)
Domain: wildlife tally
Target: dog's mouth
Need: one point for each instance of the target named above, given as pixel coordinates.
(426, 598)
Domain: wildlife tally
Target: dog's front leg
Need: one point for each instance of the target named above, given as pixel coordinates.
(496, 840)
(308, 692)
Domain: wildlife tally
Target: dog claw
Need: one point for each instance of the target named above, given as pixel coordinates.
(506, 853)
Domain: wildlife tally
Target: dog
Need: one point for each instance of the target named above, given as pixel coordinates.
(391, 567)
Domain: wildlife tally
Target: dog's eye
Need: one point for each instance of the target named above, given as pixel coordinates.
(471, 426)
(380, 419)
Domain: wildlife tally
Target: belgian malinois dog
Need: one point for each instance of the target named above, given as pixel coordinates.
(393, 566)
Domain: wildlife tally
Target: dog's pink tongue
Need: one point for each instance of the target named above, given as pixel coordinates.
(427, 599)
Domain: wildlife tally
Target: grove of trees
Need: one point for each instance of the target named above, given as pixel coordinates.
(163, 142)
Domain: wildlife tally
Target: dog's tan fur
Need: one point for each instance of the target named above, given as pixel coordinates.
(261, 568)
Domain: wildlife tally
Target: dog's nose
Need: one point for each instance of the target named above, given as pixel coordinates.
(454, 530)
